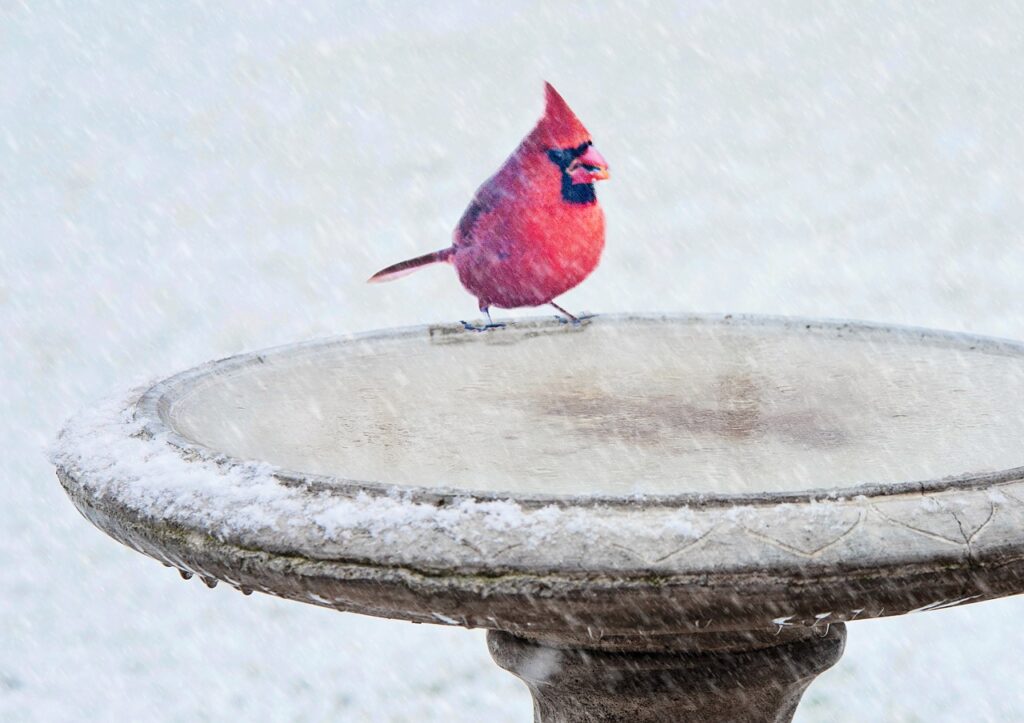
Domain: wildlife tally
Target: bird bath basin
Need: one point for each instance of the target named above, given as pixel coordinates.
(656, 518)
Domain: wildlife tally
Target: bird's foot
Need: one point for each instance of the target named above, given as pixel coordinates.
(568, 318)
(574, 320)
(470, 326)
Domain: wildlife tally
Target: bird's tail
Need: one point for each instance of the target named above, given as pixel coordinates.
(402, 268)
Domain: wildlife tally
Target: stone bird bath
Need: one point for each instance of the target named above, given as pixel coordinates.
(656, 518)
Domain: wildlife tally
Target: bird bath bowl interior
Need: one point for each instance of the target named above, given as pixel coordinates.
(656, 518)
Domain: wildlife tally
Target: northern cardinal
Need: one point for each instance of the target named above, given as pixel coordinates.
(534, 229)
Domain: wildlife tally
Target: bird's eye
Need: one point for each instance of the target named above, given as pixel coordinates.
(560, 158)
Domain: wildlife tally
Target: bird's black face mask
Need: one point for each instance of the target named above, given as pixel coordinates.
(572, 192)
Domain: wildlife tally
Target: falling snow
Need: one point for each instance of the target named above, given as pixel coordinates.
(183, 182)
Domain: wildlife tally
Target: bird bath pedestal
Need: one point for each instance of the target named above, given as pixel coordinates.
(656, 518)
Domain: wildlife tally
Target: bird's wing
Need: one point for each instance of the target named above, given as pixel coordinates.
(481, 205)
(491, 200)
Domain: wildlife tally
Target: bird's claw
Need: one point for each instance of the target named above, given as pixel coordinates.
(470, 326)
(576, 320)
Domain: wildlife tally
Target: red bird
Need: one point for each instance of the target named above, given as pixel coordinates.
(533, 230)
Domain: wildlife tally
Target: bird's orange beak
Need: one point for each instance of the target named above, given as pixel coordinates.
(589, 167)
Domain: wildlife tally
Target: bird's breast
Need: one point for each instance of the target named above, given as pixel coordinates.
(528, 255)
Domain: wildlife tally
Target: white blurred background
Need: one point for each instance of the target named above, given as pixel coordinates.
(183, 181)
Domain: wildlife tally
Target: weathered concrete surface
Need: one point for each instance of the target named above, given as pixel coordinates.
(660, 566)
(743, 686)
(617, 408)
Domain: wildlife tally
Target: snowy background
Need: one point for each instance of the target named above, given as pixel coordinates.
(183, 181)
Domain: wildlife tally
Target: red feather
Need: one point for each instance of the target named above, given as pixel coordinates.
(528, 236)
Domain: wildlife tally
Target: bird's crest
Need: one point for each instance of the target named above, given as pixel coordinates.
(559, 127)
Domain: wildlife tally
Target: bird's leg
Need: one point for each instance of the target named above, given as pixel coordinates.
(569, 318)
(485, 327)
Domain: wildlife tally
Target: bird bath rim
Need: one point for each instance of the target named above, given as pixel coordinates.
(636, 569)
(153, 406)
